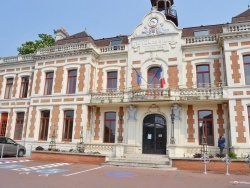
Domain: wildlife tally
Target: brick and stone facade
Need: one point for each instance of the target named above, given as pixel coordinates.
(177, 52)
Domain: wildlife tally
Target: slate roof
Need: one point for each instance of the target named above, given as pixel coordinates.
(186, 32)
(244, 16)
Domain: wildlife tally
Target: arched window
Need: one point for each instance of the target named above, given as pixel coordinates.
(153, 81)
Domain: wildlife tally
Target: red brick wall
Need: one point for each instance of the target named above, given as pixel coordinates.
(68, 158)
(238, 167)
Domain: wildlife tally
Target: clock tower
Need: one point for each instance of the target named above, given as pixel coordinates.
(165, 6)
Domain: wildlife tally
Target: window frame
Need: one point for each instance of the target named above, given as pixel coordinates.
(68, 125)
(114, 81)
(72, 79)
(19, 125)
(110, 121)
(24, 87)
(203, 84)
(203, 32)
(44, 126)
(204, 122)
(48, 83)
(153, 82)
(246, 63)
(8, 88)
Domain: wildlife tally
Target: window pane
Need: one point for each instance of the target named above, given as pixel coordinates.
(246, 59)
(115, 42)
(247, 73)
(202, 68)
(201, 33)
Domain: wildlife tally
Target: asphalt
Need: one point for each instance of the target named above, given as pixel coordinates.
(22, 172)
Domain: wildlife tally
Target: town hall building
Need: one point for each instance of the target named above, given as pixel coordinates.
(162, 90)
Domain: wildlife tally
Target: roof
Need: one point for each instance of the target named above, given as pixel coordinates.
(244, 16)
(213, 29)
(85, 37)
(76, 38)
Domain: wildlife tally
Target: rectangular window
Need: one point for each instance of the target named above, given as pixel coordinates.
(8, 90)
(24, 87)
(246, 60)
(203, 76)
(68, 125)
(19, 126)
(201, 33)
(206, 129)
(115, 42)
(109, 129)
(44, 125)
(3, 123)
(71, 88)
(111, 81)
(48, 83)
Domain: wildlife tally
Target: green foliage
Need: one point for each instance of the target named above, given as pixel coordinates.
(31, 46)
(232, 155)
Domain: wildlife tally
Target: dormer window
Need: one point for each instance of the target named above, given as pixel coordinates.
(201, 33)
(115, 42)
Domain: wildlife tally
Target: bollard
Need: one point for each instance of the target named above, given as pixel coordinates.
(248, 162)
(205, 159)
(227, 160)
(2, 151)
(17, 151)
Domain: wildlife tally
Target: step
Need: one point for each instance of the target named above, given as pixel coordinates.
(136, 160)
(140, 165)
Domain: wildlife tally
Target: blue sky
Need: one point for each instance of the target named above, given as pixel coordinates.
(23, 20)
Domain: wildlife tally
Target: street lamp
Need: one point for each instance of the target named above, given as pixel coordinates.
(203, 139)
(172, 139)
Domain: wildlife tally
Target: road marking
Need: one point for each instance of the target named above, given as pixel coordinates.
(240, 182)
(11, 166)
(83, 171)
(10, 161)
(34, 168)
(120, 174)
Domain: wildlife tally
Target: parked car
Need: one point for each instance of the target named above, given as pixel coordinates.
(10, 147)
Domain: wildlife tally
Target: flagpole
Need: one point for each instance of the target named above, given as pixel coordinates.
(139, 73)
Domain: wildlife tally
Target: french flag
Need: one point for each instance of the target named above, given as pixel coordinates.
(160, 77)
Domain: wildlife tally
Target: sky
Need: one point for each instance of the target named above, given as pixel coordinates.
(23, 20)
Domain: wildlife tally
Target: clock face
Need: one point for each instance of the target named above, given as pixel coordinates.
(153, 22)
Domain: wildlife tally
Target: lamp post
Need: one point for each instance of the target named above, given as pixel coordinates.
(172, 139)
(203, 139)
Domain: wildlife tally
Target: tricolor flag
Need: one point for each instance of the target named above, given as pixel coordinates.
(160, 77)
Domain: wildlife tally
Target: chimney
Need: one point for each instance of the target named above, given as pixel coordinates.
(61, 34)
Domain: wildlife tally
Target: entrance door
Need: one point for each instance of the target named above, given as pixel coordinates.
(154, 134)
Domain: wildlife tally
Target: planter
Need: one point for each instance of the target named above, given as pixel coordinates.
(215, 165)
(68, 157)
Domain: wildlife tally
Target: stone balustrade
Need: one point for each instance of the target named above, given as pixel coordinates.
(238, 27)
(110, 49)
(64, 48)
(201, 39)
(17, 58)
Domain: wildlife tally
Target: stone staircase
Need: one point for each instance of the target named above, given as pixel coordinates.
(159, 162)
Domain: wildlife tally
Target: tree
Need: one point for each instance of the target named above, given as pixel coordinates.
(30, 47)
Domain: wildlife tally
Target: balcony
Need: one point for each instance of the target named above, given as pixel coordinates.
(159, 94)
(237, 27)
(201, 39)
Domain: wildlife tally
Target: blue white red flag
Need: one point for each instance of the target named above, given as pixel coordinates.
(159, 75)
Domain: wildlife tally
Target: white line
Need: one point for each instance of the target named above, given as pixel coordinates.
(83, 171)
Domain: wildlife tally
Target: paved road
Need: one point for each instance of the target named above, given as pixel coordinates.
(21, 172)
